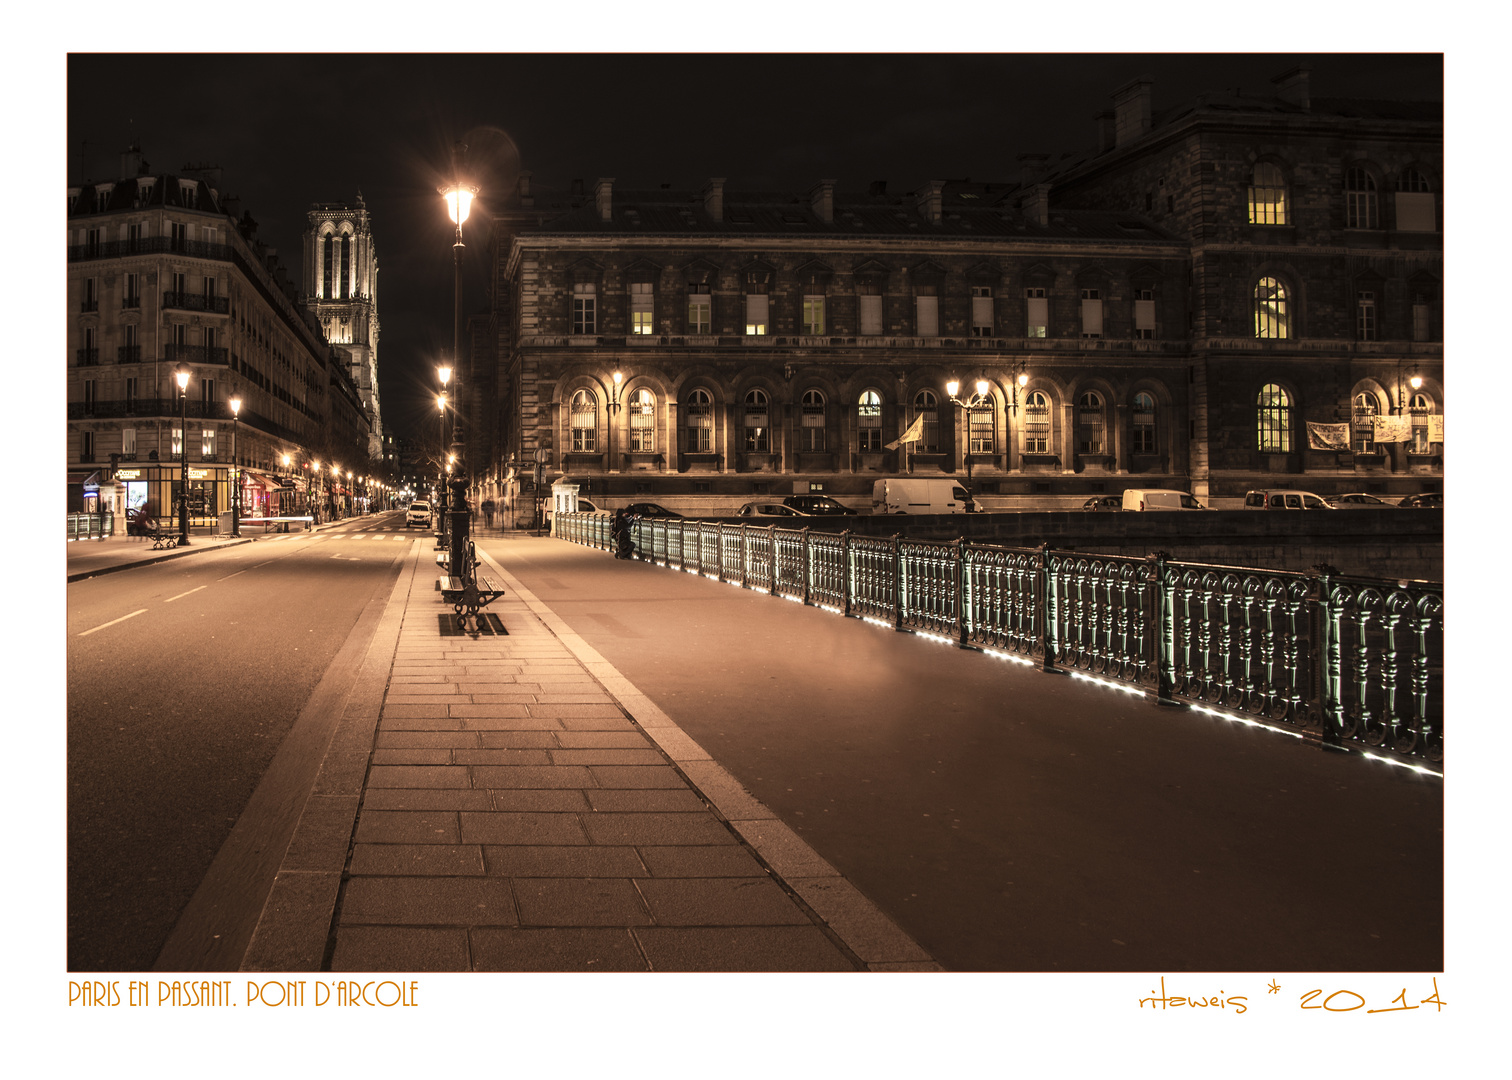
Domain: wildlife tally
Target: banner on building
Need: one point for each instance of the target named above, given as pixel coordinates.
(1393, 429)
(1436, 427)
(914, 433)
(1327, 436)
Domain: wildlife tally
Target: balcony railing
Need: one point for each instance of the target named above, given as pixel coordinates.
(151, 245)
(128, 354)
(218, 305)
(1344, 661)
(88, 357)
(131, 301)
(88, 306)
(194, 354)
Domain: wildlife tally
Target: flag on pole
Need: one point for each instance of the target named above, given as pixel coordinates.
(914, 433)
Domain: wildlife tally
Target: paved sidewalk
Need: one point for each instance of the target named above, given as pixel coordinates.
(511, 803)
(89, 558)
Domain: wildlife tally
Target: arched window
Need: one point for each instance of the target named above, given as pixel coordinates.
(1273, 420)
(642, 408)
(1365, 409)
(1360, 199)
(584, 423)
(1412, 180)
(869, 420)
(1091, 427)
(1420, 407)
(700, 422)
(758, 438)
(1037, 423)
(813, 421)
(1143, 420)
(1272, 310)
(979, 416)
(1267, 195)
(926, 405)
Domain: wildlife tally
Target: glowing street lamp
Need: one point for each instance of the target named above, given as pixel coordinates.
(181, 376)
(952, 388)
(235, 471)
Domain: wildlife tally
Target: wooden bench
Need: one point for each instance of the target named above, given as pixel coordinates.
(161, 539)
(469, 596)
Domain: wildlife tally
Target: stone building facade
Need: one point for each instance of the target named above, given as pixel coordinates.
(1160, 312)
(163, 271)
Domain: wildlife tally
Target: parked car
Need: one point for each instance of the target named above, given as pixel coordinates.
(1104, 502)
(752, 509)
(920, 495)
(817, 505)
(1159, 499)
(1284, 500)
(586, 507)
(1359, 500)
(1428, 500)
(650, 510)
(419, 513)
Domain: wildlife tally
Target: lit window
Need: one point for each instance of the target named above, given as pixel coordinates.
(700, 417)
(1364, 423)
(981, 311)
(1143, 420)
(813, 315)
(207, 444)
(813, 421)
(928, 406)
(1272, 318)
(1273, 420)
(979, 417)
(756, 309)
(700, 309)
(1089, 425)
(584, 423)
(757, 431)
(641, 307)
(1267, 196)
(1037, 424)
(584, 308)
(1419, 407)
(642, 421)
(1038, 312)
(1360, 199)
(869, 420)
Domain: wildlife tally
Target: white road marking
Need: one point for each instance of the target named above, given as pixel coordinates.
(171, 599)
(112, 622)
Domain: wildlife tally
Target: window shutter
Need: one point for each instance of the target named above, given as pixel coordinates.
(981, 311)
(1092, 318)
(871, 316)
(1144, 315)
(1039, 312)
(928, 308)
(756, 313)
(1415, 211)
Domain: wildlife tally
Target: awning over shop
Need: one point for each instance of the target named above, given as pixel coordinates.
(267, 483)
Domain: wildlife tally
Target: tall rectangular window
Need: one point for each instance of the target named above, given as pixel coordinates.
(756, 313)
(89, 397)
(131, 394)
(179, 237)
(1037, 425)
(700, 309)
(869, 421)
(1365, 315)
(869, 297)
(981, 311)
(128, 442)
(642, 304)
(91, 300)
(86, 446)
(979, 429)
(813, 315)
(1037, 311)
(207, 444)
(585, 308)
(131, 290)
(1420, 325)
(1144, 313)
(926, 312)
(1092, 313)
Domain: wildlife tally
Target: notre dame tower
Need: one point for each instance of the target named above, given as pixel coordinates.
(341, 288)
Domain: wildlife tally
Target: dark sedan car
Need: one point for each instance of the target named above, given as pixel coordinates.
(1359, 500)
(1104, 502)
(650, 510)
(1429, 500)
(816, 505)
(752, 509)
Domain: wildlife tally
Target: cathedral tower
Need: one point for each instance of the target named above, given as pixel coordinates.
(341, 289)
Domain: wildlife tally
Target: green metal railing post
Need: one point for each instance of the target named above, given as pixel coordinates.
(1160, 650)
(1047, 609)
(1326, 656)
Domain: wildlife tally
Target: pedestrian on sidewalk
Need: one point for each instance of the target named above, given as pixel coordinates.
(619, 531)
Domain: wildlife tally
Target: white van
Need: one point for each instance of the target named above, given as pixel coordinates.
(917, 495)
(1159, 499)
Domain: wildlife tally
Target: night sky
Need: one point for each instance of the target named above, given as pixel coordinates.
(289, 130)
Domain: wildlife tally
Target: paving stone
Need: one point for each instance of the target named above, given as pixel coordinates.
(398, 740)
(470, 710)
(617, 722)
(556, 949)
(535, 861)
(646, 800)
(579, 902)
(431, 776)
(434, 860)
(708, 860)
(741, 949)
(584, 740)
(531, 776)
(507, 827)
(322, 835)
(514, 698)
(425, 799)
(657, 829)
(524, 740)
(295, 924)
(502, 756)
(608, 756)
(407, 827)
(419, 723)
(636, 776)
(607, 710)
(586, 696)
(453, 901)
(559, 800)
(412, 755)
(341, 773)
(384, 949)
(414, 712)
(509, 723)
(748, 901)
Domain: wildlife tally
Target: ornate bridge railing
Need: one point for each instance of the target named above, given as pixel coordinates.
(1342, 660)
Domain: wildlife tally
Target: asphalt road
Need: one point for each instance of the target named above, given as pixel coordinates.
(184, 678)
(1016, 821)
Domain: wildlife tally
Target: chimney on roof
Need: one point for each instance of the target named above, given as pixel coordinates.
(713, 198)
(1106, 131)
(822, 199)
(930, 200)
(1291, 86)
(1131, 110)
(603, 198)
(1036, 204)
(1032, 167)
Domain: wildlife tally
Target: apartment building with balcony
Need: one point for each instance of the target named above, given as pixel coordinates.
(163, 273)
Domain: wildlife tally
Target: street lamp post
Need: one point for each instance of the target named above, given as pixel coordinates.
(459, 197)
(952, 388)
(444, 373)
(235, 470)
(181, 376)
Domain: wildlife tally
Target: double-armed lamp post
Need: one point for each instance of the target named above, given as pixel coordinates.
(952, 388)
